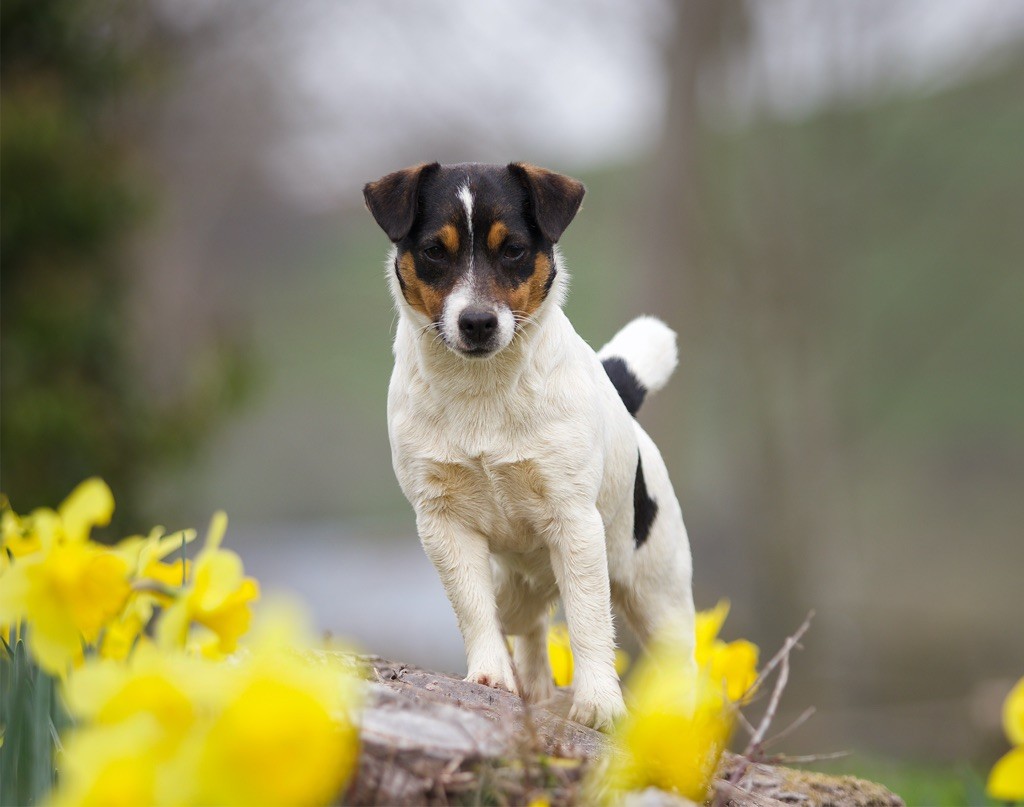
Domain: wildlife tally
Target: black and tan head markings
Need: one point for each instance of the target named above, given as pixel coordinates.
(448, 235)
(422, 296)
(479, 236)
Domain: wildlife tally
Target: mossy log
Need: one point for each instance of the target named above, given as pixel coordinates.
(432, 738)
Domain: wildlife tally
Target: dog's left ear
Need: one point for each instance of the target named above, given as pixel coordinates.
(392, 199)
(555, 198)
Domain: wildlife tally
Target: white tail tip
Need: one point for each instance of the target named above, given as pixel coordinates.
(648, 347)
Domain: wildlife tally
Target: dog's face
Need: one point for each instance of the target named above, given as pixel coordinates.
(474, 245)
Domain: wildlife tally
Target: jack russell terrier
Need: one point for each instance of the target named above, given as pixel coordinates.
(515, 442)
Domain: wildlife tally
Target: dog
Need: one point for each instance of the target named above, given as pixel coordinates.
(516, 443)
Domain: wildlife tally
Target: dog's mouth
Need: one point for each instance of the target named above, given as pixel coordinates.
(476, 352)
(472, 352)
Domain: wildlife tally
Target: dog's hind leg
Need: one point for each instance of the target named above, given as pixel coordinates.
(652, 587)
(523, 610)
(530, 655)
(659, 607)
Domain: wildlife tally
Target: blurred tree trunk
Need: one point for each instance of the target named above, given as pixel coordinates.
(729, 267)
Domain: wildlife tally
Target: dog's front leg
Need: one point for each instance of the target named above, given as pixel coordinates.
(580, 564)
(462, 559)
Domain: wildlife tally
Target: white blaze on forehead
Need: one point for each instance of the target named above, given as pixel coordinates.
(466, 197)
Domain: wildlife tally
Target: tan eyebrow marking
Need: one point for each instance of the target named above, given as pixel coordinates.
(496, 235)
(449, 237)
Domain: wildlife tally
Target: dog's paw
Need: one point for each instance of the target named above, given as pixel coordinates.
(495, 679)
(598, 711)
(540, 689)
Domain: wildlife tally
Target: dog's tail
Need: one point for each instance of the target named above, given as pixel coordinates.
(640, 359)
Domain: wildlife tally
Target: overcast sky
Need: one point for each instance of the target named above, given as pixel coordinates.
(364, 85)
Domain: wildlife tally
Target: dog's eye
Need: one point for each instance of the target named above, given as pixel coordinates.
(435, 253)
(513, 252)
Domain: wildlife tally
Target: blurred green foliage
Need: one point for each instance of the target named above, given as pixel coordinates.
(920, 784)
(72, 403)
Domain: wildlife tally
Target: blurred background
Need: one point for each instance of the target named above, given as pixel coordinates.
(825, 201)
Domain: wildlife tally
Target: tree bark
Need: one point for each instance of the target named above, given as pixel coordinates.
(432, 738)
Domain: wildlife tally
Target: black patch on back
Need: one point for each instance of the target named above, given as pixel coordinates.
(626, 384)
(645, 509)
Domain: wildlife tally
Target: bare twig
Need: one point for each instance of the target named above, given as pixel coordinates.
(747, 725)
(785, 759)
(754, 750)
(773, 704)
(803, 718)
(785, 650)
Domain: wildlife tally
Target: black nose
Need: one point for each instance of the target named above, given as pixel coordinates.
(477, 326)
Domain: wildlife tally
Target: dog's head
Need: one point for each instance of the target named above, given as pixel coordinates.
(474, 245)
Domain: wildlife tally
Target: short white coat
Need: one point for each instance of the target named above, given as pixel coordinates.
(521, 470)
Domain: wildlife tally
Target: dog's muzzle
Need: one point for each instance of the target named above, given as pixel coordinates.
(478, 328)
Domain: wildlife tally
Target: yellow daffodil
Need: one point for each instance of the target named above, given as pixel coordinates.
(155, 684)
(54, 577)
(732, 663)
(678, 723)
(122, 634)
(154, 583)
(147, 557)
(16, 539)
(218, 598)
(560, 655)
(110, 766)
(277, 742)
(708, 624)
(273, 727)
(286, 735)
(89, 505)
(1006, 780)
(67, 594)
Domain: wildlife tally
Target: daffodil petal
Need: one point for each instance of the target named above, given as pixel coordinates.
(89, 505)
(1006, 781)
(13, 594)
(173, 543)
(172, 627)
(218, 574)
(55, 648)
(218, 526)
(709, 623)
(560, 655)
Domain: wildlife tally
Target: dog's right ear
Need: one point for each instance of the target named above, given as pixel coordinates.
(392, 199)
